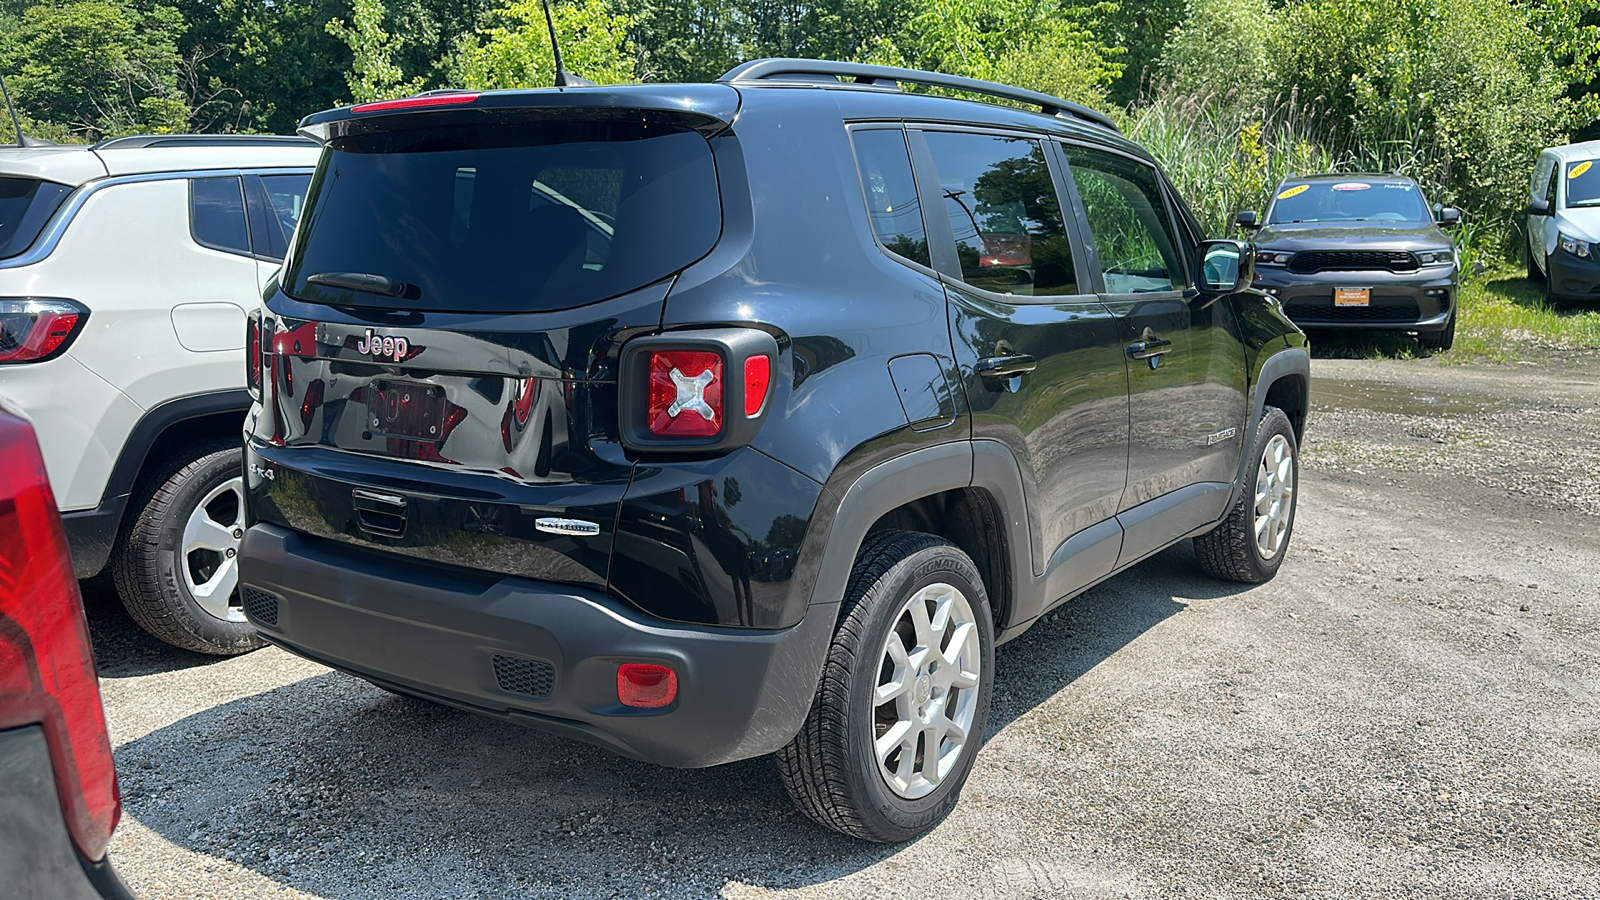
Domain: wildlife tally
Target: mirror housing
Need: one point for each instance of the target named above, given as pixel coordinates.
(1246, 219)
(1449, 216)
(1538, 207)
(1225, 267)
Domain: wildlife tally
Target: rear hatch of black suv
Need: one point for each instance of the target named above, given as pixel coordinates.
(437, 367)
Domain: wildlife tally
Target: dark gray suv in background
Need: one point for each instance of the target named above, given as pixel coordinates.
(1359, 252)
(717, 420)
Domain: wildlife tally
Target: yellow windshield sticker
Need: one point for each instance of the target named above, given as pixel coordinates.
(1294, 191)
(1580, 168)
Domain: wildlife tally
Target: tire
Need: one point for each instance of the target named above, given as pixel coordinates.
(832, 768)
(165, 589)
(1439, 340)
(1535, 275)
(1231, 551)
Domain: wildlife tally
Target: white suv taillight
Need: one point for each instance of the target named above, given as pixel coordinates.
(33, 329)
(47, 673)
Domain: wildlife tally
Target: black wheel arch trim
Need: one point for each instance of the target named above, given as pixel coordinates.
(155, 423)
(1289, 362)
(92, 534)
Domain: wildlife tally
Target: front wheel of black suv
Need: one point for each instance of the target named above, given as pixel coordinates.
(904, 698)
(1249, 545)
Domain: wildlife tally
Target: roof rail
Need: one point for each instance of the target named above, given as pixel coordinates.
(891, 77)
(150, 141)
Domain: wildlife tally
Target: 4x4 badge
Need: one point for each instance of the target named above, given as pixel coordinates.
(393, 347)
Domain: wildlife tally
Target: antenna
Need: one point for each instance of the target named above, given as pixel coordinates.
(22, 139)
(563, 77)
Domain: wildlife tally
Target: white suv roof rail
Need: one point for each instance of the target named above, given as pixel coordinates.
(151, 141)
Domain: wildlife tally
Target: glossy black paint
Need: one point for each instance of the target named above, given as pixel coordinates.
(845, 316)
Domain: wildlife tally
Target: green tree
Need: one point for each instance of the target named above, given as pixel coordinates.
(373, 74)
(515, 51)
(94, 68)
(1038, 44)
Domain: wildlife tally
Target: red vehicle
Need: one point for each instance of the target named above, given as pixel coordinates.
(58, 789)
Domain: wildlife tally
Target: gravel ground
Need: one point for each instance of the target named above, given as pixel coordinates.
(1409, 709)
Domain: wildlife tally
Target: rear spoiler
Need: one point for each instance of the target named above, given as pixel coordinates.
(706, 108)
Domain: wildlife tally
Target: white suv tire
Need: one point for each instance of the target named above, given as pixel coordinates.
(177, 568)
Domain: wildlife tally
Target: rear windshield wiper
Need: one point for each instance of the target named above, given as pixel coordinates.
(370, 284)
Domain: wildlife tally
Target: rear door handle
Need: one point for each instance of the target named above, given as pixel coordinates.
(1006, 366)
(1147, 349)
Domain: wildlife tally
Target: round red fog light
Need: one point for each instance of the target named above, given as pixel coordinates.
(646, 686)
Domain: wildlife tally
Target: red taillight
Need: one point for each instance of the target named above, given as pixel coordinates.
(47, 673)
(36, 329)
(685, 393)
(417, 102)
(252, 356)
(757, 375)
(646, 686)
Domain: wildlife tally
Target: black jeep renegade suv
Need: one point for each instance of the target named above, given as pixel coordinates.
(708, 421)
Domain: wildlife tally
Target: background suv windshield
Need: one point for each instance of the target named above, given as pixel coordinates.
(507, 218)
(1353, 200)
(1583, 183)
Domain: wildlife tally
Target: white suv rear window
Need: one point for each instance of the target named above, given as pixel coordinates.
(26, 204)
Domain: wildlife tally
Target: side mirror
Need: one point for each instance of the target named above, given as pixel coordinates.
(1225, 267)
(1449, 216)
(1539, 207)
(1246, 219)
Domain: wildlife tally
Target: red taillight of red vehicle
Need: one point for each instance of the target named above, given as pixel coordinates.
(47, 672)
(422, 102)
(685, 397)
(757, 376)
(36, 329)
(646, 685)
(252, 356)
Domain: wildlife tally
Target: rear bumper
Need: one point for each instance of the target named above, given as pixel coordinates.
(1422, 301)
(437, 633)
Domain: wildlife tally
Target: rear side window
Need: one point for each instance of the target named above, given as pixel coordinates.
(26, 204)
(506, 218)
(1127, 212)
(885, 168)
(1004, 213)
(216, 214)
(276, 202)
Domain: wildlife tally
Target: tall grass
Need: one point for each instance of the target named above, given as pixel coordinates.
(1225, 155)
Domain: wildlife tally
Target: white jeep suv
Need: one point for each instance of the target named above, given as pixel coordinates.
(125, 271)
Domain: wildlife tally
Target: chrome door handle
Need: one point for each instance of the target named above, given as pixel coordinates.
(1006, 366)
(1148, 348)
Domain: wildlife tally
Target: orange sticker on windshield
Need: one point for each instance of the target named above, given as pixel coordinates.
(1296, 190)
(1579, 169)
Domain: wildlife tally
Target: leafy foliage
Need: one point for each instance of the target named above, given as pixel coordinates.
(97, 67)
(515, 52)
(373, 74)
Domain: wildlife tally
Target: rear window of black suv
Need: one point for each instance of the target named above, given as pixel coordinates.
(507, 217)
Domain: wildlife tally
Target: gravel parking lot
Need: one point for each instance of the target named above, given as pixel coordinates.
(1408, 710)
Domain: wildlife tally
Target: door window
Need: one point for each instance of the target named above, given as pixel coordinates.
(275, 205)
(1127, 212)
(1004, 213)
(885, 169)
(1550, 188)
(216, 214)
